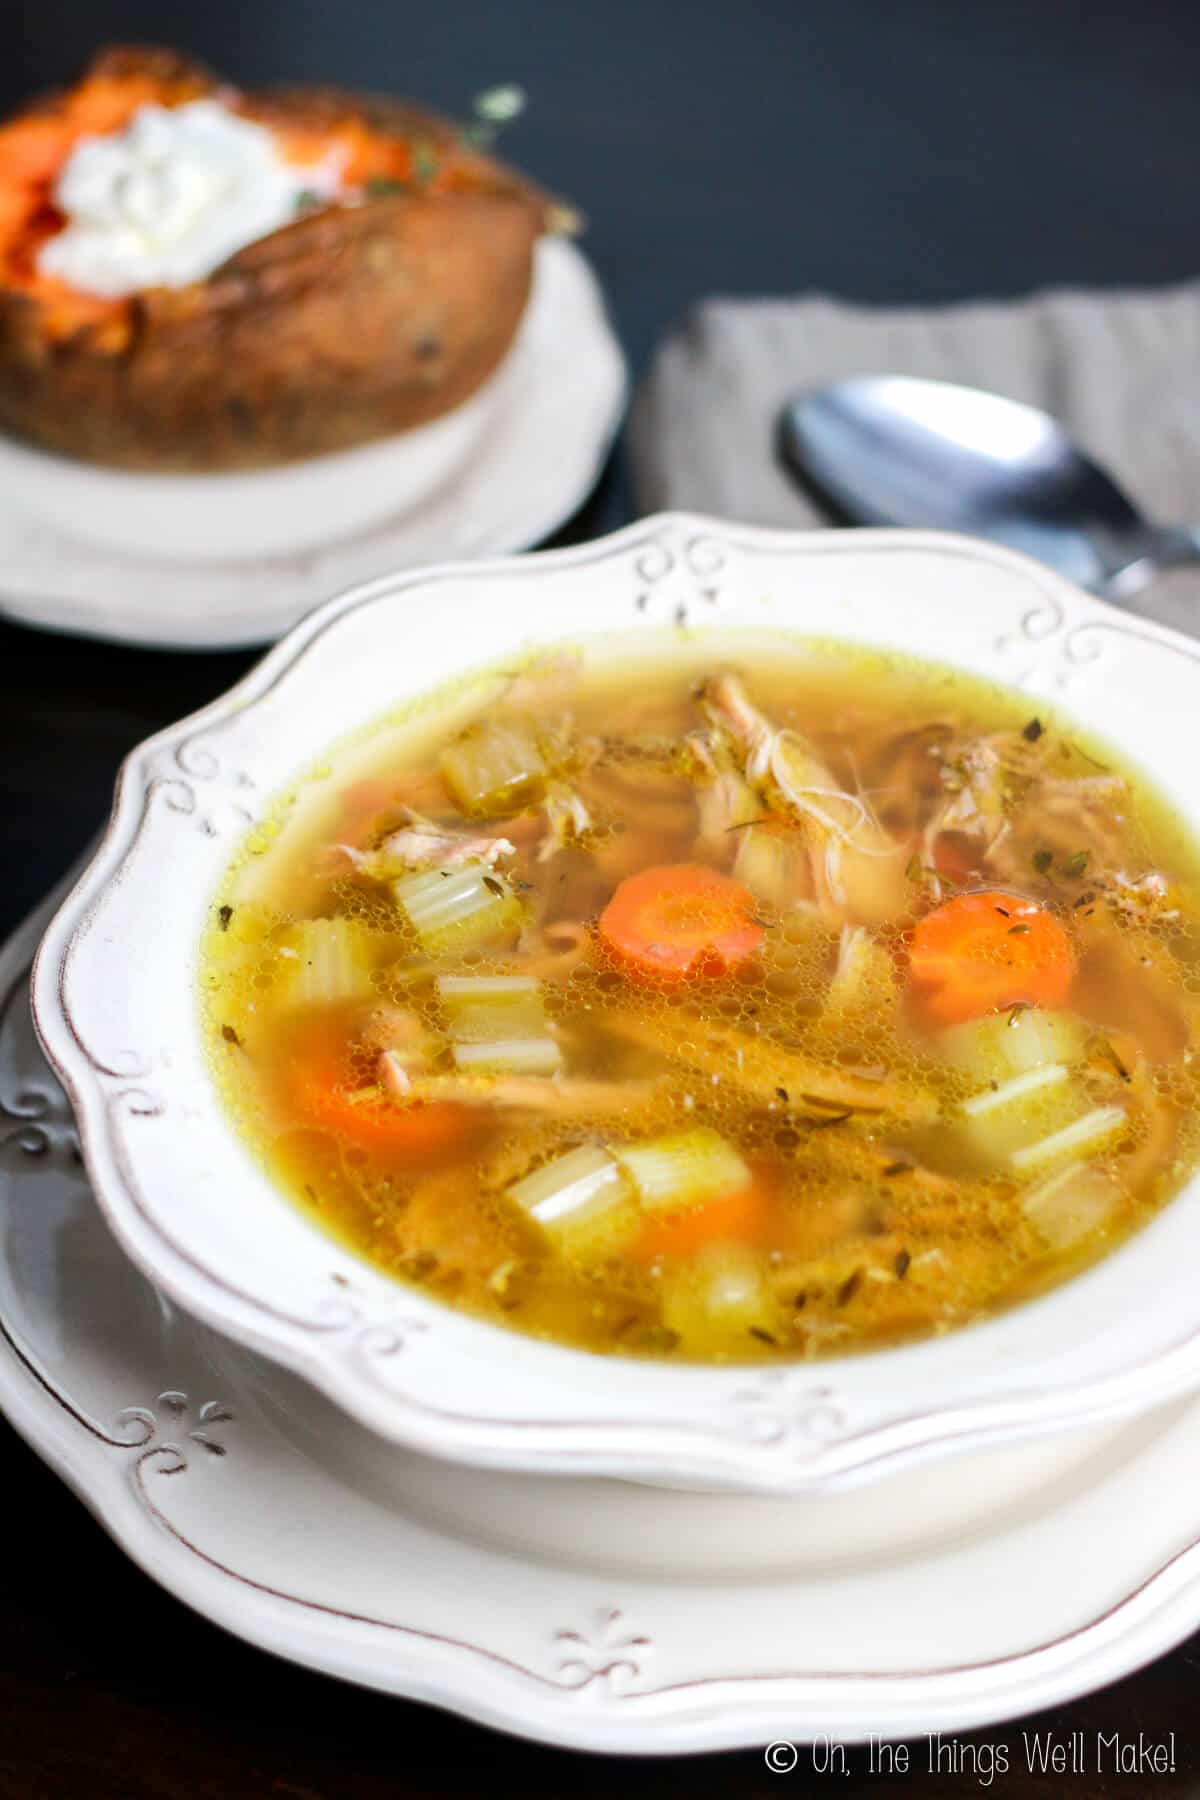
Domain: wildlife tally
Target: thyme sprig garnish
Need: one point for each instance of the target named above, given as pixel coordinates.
(925, 875)
(1073, 867)
(493, 109)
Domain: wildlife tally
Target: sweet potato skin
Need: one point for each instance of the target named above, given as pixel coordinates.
(351, 324)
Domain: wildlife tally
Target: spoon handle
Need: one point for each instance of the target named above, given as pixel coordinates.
(1159, 547)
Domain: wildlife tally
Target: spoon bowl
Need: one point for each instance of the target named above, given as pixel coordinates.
(897, 450)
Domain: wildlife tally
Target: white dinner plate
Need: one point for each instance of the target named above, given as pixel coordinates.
(85, 550)
(258, 1504)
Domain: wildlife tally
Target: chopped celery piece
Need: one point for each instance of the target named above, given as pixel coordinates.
(569, 1186)
(721, 1290)
(1070, 1205)
(1093, 1131)
(325, 961)
(687, 1169)
(480, 1008)
(453, 909)
(494, 768)
(514, 1056)
(1032, 1082)
(1008, 1043)
(582, 1201)
(498, 1024)
(1002, 1119)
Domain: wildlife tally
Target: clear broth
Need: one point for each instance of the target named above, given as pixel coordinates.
(869, 1223)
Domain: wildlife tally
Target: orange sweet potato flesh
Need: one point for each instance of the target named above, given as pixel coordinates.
(351, 324)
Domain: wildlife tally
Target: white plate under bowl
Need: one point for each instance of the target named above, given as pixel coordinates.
(585, 1613)
(115, 997)
(222, 560)
(281, 512)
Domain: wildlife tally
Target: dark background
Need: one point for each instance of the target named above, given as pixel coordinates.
(886, 150)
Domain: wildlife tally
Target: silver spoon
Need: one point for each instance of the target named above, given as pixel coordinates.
(894, 450)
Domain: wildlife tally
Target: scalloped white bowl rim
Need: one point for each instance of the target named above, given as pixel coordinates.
(114, 996)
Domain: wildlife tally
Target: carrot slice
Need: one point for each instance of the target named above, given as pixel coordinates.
(979, 953)
(739, 1218)
(321, 1087)
(680, 919)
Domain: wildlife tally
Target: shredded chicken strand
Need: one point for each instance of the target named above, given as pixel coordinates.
(422, 844)
(568, 820)
(565, 1097)
(758, 1069)
(792, 778)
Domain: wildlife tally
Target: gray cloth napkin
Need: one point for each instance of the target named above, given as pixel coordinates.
(1122, 370)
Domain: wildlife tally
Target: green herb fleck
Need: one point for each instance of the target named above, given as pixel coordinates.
(763, 1336)
(380, 186)
(1033, 731)
(230, 1035)
(1018, 931)
(308, 200)
(903, 1260)
(1077, 865)
(1042, 859)
(1016, 1009)
(424, 162)
(1094, 760)
(224, 915)
(849, 1287)
(898, 1168)
(494, 108)
(921, 873)
(500, 105)
(493, 886)
(419, 1264)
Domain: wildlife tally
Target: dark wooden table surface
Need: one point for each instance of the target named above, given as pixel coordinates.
(890, 150)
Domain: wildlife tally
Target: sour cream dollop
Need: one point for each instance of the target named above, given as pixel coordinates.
(171, 197)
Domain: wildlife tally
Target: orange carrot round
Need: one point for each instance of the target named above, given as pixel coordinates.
(737, 1218)
(680, 919)
(413, 1131)
(979, 953)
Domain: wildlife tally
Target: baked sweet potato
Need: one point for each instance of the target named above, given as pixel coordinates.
(357, 321)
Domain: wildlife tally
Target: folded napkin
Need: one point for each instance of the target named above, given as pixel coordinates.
(1121, 370)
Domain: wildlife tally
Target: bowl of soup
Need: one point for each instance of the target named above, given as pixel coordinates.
(713, 1006)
